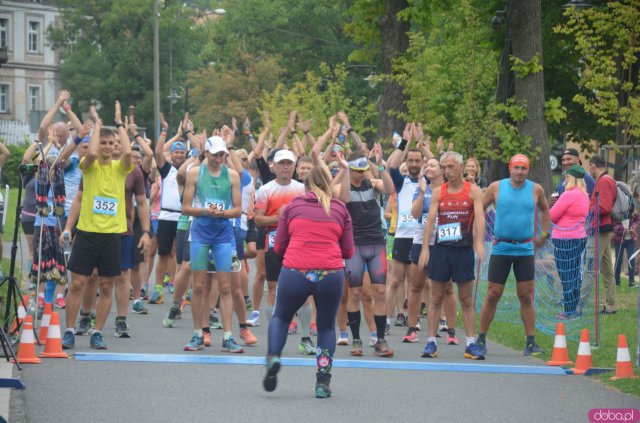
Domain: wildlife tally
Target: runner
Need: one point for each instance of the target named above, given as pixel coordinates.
(457, 205)
(102, 220)
(517, 201)
(315, 236)
(360, 195)
(212, 197)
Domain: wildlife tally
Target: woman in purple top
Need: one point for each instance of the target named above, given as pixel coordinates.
(568, 216)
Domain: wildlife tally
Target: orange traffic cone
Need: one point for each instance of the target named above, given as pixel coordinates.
(53, 348)
(22, 313)
(583, 360)
(27, 349)
(560, 356)
(44, 323)
(624, 368)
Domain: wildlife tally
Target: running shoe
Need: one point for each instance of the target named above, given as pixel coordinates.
(68, 340)
(314, 329)
(138, 308)
(143, 295)
(254, 319)
(157, 297)
(60, 302)
(533, 349)
(473, 352)
(170, 319)
(206, 339)
(400, 320)
(356, 348)
(442, 326)
(322, 385)
(452, 340)
(171, 288)
(418, 327)
(93, 320)
(482, 347)
(430, 350)
(423, 310)
(411, 336)
(293, 327)
(381, 349)
(97, 342)
(270, 380)
(121, 329)
(373, 339)
(188, 297)
(166, 281)
(214, 322)
(248, 337)
(84, 325)
(343, 339)
(230, 345)
(196, 343)
(248, 304)
(306, 347)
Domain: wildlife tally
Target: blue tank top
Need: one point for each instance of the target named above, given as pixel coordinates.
(212, 191)
(514, 220)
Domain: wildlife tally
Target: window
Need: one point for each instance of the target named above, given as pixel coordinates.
(4, 32)
(4, 98)
(34, 99)
(34, 37)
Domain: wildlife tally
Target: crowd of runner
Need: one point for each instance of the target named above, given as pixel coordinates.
(335, 225)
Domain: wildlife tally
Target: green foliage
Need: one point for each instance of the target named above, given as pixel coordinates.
(10, 173)
(554, 111)
(504, 118)
(107, 52)
(607, 39)
(318, 104)
(449, 75)
(521, 68)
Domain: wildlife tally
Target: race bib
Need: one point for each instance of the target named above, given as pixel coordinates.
(449, 232)
(272, 239)
(406, 219)
(105, 205)
(220, 205)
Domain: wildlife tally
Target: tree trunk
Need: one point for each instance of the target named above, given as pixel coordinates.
(395, 41)
(525, 28)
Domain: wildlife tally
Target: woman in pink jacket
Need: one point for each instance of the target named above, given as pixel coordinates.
(569, 215)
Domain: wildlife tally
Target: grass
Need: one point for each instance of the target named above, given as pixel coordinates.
(624, 322)
(5, 286)
(11, 217)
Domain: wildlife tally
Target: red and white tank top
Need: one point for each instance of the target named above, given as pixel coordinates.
(455, 217)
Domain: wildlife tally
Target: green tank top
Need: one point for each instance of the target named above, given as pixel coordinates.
(214, 190)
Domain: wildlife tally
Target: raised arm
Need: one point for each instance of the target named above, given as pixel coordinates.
(47, 120)
(70, 148)
(354, 135)
(94, 142)
(147, 161)
(125, 142)
(397, 157)
(160, 157)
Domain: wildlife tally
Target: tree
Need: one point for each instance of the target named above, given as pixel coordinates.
(607, 39)
(107, 58)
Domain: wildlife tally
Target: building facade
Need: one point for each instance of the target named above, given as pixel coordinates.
(29, 81)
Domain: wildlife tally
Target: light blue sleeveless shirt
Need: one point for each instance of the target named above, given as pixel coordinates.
(514, 221)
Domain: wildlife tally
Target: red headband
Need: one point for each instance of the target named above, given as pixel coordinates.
(519, 160)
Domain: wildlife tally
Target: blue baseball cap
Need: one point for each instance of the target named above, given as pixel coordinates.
(178, 145)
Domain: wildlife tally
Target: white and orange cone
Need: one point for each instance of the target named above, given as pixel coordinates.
(53, 348)
(27, 349)
(583, 359)
(560, 356)
(22, 313)
(44, 323)
(624, 368)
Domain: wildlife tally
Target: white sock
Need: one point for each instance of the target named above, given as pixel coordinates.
(432, 339)
(304, 314)
(470, 340)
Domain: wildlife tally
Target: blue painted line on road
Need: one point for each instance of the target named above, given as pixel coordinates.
(308, 362)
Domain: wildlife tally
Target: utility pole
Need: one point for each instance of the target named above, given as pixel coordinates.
(156, 69)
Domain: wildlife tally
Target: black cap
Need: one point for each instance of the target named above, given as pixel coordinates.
(572, 152)
(273, 154)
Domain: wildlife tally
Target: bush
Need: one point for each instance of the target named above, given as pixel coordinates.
(10, 174)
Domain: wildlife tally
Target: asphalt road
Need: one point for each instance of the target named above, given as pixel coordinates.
(107, 391)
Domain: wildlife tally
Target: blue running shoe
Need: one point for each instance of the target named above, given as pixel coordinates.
(430, 350)
(138, 308)
(230, 345)
(157, 296)
(196, 343)
(322, 385)
(482, 347)
(270, 380)
(473, 352)
(97, 342)
(68, 341)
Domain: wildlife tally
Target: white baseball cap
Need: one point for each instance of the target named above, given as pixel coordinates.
(216, 144)
(284, 155)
